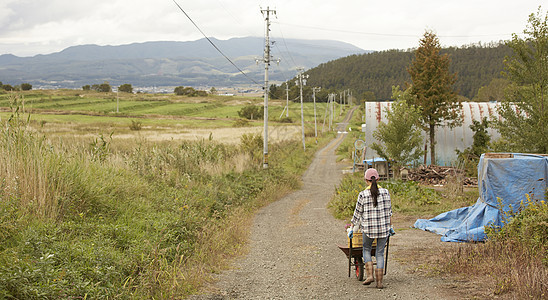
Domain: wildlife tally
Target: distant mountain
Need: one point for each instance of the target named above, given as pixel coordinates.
(165, 63)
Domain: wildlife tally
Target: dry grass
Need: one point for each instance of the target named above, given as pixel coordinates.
(24, 173)
(218, 244)
(512, 270)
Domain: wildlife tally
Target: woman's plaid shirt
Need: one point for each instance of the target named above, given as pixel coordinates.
(373, 221)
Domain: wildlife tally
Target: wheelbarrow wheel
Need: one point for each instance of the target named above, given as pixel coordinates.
(359, 268)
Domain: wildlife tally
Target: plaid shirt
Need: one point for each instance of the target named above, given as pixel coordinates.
(373, 221)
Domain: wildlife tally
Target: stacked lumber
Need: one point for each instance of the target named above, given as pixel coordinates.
(438, 175)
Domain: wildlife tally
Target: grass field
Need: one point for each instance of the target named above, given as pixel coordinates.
(91, 209)
(160, 116)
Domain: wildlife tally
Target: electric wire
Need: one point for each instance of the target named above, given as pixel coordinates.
(214, 46)
(287, 49)
(283, 60)
(389, 34)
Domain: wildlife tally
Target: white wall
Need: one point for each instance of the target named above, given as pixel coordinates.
(447, 140)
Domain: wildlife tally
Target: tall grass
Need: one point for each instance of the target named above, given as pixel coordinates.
(104, 219)
(407, 197)
(514, 259)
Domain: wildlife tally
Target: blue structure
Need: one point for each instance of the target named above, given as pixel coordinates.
(508, 179)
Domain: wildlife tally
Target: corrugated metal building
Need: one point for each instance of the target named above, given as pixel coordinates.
(447, 140)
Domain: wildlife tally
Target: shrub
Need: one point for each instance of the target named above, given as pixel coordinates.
(135, 125)
(240, 123)
(126, 88)
(103, 87)
(528, 227)
(26, 86)
(285, 120)
(7, 87)
(252, 144)
(406, 196)
(189, 91)
(514, 257)
(251, 112)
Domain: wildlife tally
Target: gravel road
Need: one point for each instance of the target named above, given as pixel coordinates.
(293, 250)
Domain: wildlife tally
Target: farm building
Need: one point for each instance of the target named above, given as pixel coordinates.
(447, 140)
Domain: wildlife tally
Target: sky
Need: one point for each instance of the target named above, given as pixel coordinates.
(31, 27)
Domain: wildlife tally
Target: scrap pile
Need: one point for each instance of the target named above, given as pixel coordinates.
(438, 175)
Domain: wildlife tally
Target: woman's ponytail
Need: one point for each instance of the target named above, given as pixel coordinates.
(374, 190)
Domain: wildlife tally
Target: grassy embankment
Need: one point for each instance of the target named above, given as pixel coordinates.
(512, 262)
(102, 218)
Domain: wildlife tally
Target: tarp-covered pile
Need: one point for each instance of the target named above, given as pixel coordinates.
(503, 182)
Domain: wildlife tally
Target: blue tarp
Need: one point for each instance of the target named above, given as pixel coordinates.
(499, 179)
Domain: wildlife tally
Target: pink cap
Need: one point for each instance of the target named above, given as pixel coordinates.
(371, 173)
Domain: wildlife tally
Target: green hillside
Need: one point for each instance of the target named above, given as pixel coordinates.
(377, 72)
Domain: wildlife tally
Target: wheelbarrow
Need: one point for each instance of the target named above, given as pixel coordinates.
(355, 258)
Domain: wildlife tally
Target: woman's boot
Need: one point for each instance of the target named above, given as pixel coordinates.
(369, 273)
(379, 273)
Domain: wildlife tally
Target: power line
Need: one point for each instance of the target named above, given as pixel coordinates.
(389, 34)
(214, 46)
(285, 44)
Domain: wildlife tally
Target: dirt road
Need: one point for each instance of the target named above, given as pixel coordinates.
(293, 252)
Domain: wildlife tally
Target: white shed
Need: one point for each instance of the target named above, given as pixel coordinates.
(447, 140)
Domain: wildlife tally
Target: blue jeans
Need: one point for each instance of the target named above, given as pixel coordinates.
(379, 252)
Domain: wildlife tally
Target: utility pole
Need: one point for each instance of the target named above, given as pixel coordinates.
(287, 100)
(117, 101)
(330, 106)
(333, 99)
(266, 59)
(314, 97)
(302, 82)
(341, 103)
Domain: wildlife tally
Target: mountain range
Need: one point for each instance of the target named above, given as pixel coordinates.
(169, 63)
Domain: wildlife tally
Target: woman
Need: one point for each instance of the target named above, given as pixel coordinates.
(373, 216)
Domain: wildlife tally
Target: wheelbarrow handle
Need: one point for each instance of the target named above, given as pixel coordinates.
(386, 255)
(350, 259)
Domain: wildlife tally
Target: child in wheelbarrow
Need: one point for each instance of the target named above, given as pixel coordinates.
(373, 216)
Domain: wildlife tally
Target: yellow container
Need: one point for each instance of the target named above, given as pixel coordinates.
(357, 240)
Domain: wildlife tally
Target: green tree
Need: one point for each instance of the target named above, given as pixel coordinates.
(471, 155)
(26, 86)
(433, 89)
(189, 91)
(275, 92)
(126, 88)
(179, 90)
(7, 87)
(86, 87)
(251, 112)
(524, 110)
(494, 91)
(103, 87)
(401, 137)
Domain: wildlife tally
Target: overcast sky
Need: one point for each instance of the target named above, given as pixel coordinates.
(30, 27)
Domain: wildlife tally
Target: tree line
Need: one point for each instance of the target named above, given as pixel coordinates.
(371, 76)
(21, 87)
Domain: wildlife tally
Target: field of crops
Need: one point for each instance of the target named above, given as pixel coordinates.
(156, 116)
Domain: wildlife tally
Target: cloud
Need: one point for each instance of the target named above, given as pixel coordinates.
(30, 26)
